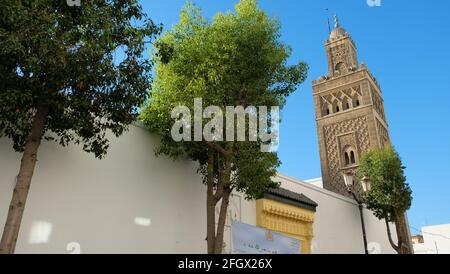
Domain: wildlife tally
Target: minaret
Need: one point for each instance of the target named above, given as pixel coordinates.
(349, 110)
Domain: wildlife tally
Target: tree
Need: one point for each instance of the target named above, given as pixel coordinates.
(390, 196)
(59, 80)
(234, 60)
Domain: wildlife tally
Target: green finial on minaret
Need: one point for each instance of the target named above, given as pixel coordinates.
(336, 21)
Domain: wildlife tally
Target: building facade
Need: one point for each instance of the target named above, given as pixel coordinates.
(433, 240)
(349, 111)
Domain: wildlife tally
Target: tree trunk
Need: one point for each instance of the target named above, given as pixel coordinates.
(404, 246)
(221, 222)
(388, 228)
(409, 243)
(210, 206)
(19, 198)
(222, 193)
(399, 237)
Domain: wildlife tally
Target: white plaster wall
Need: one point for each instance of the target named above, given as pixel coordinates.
(94, 203)
(436, 240)
(337, 227)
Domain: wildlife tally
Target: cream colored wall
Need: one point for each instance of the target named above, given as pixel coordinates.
(337, 225)
(436, 240)
(95, 203)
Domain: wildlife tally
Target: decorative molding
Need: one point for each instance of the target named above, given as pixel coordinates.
(287, 219)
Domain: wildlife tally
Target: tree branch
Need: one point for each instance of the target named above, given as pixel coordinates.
(224, 171)
(217, 147)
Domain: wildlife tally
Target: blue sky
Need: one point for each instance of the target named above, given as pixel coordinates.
(405, 45)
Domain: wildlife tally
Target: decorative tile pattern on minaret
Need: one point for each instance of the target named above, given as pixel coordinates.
(349, 111)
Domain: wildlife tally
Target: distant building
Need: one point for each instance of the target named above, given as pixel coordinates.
(434, 240)
(417, 239)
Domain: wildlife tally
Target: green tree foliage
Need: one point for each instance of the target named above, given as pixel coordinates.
(389, 191)
(63, 57)
(59, 79)
(236, 59)
(390, 195)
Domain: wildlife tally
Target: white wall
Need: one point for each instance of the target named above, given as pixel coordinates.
(436, 240)
(95, 202)
(318, 182)
(337, 227)
(77, 198)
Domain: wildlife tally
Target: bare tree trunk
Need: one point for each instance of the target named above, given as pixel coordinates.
(394, 246)
(222, 193)
(19, 198)
(210, 206)
(221, 222)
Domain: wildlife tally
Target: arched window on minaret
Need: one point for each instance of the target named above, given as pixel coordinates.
(352, 157)
(347, 159)
(336, 106)
(349, 156)
(346, 104)
(340, 68)
(326, 109)
(356, 101)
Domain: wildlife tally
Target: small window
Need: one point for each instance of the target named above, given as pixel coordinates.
(352, 157)
(327, 109)
(337, 109)
(347, 159)
(356, 100)
(340, 68)
(349, 156)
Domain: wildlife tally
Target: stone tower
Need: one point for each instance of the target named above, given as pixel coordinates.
(349, 111)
